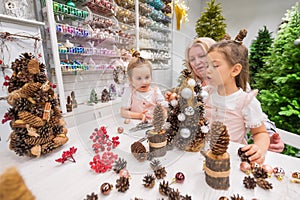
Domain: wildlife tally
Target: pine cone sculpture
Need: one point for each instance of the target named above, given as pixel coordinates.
(174, 194)
(158, 118)
(119, 165)
(219, 138)
(155, 164)
(264, 184)
(164, 188)
(149, 181)
(139, 151)
(91, 196)
(30, 119)
(243, 156)
(237, 197)
(259, 172)
(160, 173)
(122, 184)
(249, 182)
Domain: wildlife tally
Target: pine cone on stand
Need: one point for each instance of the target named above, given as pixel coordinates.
(219, 138)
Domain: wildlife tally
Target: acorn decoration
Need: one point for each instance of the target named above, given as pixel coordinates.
(264, 184)
(122, 184)
(219, 138)
(139, 151)
(149, 181)
(249, 182)
(119, 165)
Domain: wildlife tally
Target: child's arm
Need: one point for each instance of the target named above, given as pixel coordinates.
(258, 150)
(126, 113)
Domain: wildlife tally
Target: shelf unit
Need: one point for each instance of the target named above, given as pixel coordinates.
(86, 47)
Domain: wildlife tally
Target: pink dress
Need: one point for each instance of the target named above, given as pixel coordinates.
(238, 112)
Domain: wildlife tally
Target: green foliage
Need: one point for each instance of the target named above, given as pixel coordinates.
(281, 74)
(259, 49)
(211, 23)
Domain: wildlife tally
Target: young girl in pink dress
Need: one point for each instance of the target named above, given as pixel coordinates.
(140, 98)
(227, 76)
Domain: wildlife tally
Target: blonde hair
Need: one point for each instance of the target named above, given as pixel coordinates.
(205, 43)
(137, 61)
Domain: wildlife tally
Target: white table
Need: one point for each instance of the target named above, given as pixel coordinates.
(50, 180)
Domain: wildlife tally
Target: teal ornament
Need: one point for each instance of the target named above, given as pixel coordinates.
(71, 3)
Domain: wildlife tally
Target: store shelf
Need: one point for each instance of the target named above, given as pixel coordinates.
(10, 19)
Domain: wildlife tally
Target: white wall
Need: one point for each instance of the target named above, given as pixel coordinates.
(251, 15)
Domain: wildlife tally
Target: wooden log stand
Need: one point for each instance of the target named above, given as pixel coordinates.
(217, 170)
(157, 143)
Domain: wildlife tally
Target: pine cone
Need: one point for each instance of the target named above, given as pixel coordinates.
(174, 194)
(158, 118)
(122, 184)
(92, 196)
(186, 197)
(149, 181)
(164, 188)
(238, 197)
(259, 172)
(48, 147)
(160, 173)
(139, 151)
(38, 140)
(21, 104)
(30, 119)
(155, 164)
(243, 156)
(249, 182)
(30, 88)
(119, 165)
(264, 184)
(33, 66)
(219, 138)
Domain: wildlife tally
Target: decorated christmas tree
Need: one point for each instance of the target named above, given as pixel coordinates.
(187, 125)
(36, 121)
(211, 23)
(259, 49)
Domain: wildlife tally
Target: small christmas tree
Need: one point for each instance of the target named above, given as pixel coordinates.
(36, 120)
(186, 116)
(93, 97)
(211, 23)
(259, 49)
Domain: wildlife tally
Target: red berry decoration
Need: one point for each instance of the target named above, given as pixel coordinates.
(179, 177)
(120, 129)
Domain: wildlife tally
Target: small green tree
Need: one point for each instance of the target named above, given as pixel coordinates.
(211, 23)
(281, 98)
(259, 49)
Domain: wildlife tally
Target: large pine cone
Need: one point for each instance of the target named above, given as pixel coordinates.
(122, 184)
(219, 138)
(158, 118)
(264, 184)
(139, 151)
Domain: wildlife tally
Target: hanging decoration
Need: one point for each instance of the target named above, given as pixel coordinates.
(181, 10)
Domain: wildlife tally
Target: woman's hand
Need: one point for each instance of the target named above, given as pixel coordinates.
(256, 155)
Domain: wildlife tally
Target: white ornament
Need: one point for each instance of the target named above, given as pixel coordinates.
(191, 82)
(189, 111)
(181, 117)
(204, 129)
(185, 132)
(204, 94)
(186, 93)
(174, 102)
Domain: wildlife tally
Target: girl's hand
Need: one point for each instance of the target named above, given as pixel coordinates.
(255, 153)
